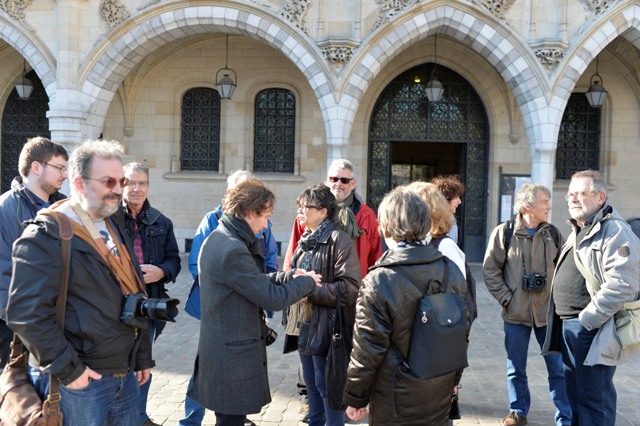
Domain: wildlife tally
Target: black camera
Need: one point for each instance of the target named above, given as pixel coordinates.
(137, 309)
(534, 282)
(271, 336)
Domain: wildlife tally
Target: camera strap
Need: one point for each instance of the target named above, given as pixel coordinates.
(544, 246)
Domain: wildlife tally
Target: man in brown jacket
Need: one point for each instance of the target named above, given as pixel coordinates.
(518, 268)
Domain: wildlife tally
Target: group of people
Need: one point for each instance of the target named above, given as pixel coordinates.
(334, 268)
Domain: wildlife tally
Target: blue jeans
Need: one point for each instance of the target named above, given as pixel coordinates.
(516, 342)
(590, 388)
(193, 412)
(313, 368)
(112, 399)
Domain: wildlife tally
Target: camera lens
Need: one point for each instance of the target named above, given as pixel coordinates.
(160, 309)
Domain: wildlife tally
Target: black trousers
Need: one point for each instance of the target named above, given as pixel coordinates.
(230, 419)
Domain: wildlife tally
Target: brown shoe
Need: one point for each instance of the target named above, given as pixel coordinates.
(514, 419)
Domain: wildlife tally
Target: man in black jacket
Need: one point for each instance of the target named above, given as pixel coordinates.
(154, 245)
(43, 170)
(99, 359)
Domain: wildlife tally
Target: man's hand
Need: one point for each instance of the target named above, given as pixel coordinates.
(84, 379)
(143, 376)
(151, 273)
(356, 414)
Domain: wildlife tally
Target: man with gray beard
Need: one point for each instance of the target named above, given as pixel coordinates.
(99, 359)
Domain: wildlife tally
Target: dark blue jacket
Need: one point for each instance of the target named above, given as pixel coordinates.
(16, 206)
(159, 246)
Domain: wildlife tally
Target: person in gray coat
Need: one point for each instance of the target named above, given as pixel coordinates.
(230, 372)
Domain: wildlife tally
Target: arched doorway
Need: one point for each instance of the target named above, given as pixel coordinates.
(21, 120)
(413, 139)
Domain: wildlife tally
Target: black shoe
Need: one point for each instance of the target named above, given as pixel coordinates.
(454, 413)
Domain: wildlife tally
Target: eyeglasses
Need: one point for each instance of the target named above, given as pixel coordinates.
(61, 169)
(111, 182)
(140, 183)
(305, 208)
(343, 180)
(580, 194)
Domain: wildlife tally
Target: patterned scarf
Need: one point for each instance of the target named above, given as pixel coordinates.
(308, 241)
(347, 219)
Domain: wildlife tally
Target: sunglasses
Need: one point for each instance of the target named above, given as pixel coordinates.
(111, 182)
(343, 180)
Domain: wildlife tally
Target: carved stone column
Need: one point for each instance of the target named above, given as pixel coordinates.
(66, 112)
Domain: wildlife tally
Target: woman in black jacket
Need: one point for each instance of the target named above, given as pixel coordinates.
(330, 252)
(385, 313)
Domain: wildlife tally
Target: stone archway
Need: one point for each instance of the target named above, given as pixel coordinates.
(413, 139)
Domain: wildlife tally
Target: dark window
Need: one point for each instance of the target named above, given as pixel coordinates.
(21, 120)
(579, 138)
(274, 139)
(200, 134)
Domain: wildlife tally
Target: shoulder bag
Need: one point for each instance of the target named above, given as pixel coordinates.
(20, 404)
(337, 359)
(627, 319)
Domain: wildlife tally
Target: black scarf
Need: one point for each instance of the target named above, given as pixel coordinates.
(242, 229)
(308, 241)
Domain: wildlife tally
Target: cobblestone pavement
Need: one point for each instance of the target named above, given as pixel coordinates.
(483, 397)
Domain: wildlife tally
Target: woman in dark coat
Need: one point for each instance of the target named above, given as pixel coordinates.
(330, 252)
(230, 375)
(385, 313)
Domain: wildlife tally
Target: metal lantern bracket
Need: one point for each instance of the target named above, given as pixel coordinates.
(226, 85)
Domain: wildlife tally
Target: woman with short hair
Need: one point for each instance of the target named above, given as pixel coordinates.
(230, 374)
(385, 313)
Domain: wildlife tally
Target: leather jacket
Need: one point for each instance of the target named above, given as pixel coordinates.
(385, 314)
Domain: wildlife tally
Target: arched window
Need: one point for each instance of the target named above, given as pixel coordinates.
(200, 130)
(21, 120)
(579, 138)
(274, 132)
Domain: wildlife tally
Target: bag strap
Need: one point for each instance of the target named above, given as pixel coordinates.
(52, 404)
(588, 276)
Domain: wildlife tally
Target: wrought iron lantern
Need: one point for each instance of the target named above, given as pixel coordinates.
(434, 87)
(596, 94)
(226, 84)
(24, 86)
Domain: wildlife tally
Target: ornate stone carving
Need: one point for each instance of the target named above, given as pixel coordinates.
(496, 7)
(549, 57)
(149, 4)
(600, 6)
(295, 11)
(338, 51)
(114, 12)
(15, 9)
(390, 8)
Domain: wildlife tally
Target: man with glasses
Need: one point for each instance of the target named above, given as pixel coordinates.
(598, 271)
(518, 268)
(43, 169)
(99, 358)
(154, 246)
(356, 218)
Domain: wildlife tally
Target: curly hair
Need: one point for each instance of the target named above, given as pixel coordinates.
(450, 186)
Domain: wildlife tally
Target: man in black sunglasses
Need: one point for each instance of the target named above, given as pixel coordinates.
(100, 357)
(43, 170)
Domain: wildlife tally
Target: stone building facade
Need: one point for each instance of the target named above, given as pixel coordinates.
(324, 79)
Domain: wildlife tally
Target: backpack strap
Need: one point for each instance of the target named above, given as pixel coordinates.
(508, 234)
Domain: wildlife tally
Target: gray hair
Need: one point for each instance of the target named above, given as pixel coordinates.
(527, 194)
(136, 167)
(82, 158)
(343, 163)
(405, 215)
(597, 181)
(238, 176)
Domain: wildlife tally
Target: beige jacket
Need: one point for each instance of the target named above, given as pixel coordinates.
(503, 273)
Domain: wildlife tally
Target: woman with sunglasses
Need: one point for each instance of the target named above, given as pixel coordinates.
(330, 252)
